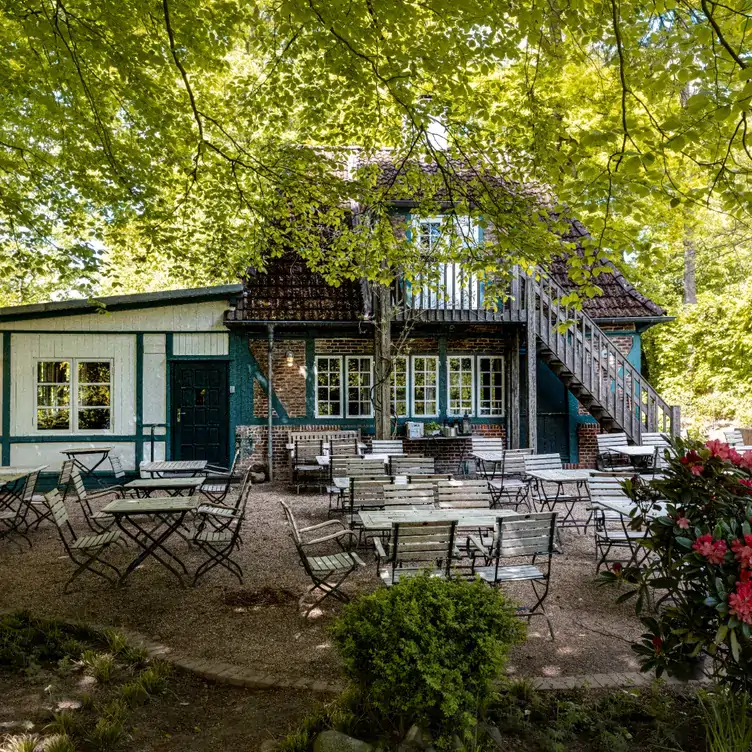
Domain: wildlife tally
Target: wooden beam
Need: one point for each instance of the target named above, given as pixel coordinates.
(514, 438)
(382, 362)
(532, 380)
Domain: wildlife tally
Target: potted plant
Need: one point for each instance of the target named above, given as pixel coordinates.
(433, 428)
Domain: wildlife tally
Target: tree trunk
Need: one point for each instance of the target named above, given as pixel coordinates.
(690, 260)
(382, 358)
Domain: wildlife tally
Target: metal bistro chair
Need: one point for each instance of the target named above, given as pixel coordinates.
(414, 547)
(14, 513)
(406, 465)
(219, 515)
(223, 539)
(529, 536)
(387, 446)
(322, 568)
(98, 521)
(734, 437)
(219, 481)
(485, 444)
(543, 498)
(464, 494)
(306, 471)
(608, 458)
(344, 468)
(86, 551)
(511, 487)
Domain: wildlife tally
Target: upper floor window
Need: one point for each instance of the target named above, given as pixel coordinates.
(74, 395)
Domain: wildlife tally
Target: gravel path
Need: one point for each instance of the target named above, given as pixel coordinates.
(218, 621)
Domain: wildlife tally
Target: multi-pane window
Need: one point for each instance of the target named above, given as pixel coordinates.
(425, 386)
(460, 384)
(328, 387)
(74, 395)
(359, 383)
(491, 385)
(399, 387)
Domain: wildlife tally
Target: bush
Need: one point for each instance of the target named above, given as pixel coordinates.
(699, 575)
(427, 650)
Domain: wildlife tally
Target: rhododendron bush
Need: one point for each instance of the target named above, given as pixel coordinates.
(694, 588)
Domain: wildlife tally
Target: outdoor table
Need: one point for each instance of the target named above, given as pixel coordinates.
(97, 454)
(639, 456)
(145, 487)
(624, 507)
(560, 477)
(169, 514)
(494, 458)
(184, 467)
(12, 482)
(381, 520)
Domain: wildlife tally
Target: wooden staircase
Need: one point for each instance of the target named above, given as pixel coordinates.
(591, 366)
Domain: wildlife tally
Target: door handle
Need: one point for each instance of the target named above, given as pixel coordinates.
(177, 419)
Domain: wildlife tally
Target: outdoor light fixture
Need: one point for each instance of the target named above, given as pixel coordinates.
(290, 358)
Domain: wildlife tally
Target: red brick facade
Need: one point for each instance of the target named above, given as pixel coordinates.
(586, 441)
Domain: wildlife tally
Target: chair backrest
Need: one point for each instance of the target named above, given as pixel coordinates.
(607, 486)
(235, 461)
(344, 448)
(387, 446)
(734, 436)
(408, 494)
(487, 444)
(427, 479)
(536, 462)
(525, 535)
(460, 494)
(306, 451)
(514, 462)
(117, 467)
(406, 465)
(606, 441)
(30, 485)
(59, 512)
(357, 467)
(654, 439)
(340, 436)
(77, 482)
(293, 524)
(416, 545)
(367, 493)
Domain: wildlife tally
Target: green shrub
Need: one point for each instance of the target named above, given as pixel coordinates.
(427, 650)
(154, 678)
(59, 743)
(101, 665)
(133, 694)
(26, 641)
(727, 720)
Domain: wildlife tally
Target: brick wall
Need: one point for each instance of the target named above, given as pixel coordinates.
(480, 345)
(587, 443)
(289, 381)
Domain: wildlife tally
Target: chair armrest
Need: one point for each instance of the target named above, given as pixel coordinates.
(320, 525)
(217, 468)
(474, 542)
(105, 492)
(331, 536)
(210, 510)
(223, 515)
(379, 546)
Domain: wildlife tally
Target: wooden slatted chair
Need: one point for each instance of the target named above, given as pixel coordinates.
(344, 468)
(387, 446)
(98, 521)
(526, 536)
(734, 436)
(343, 448)
(429, 479)
(408, 494)
(14, 517)
(607, 458)
(511, 487)
(538, 489)
(408, 465)
(218, 535)
(464, 494)
(218, 483)
(214, 513)
(414, 547)
(86, 551)
(33, 501)
(485, 444)
(306, 471)
(365, 493)
(322, 568)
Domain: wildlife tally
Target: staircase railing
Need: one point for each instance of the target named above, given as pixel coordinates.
(595, 361)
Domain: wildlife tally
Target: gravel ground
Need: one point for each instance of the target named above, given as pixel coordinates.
(218, 621)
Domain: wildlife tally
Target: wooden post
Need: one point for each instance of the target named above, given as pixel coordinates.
(382, 360)
(270, 409)
(514, 438)
(532, 379)
(675, 420)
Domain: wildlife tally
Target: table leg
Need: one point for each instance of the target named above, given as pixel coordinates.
(88, 471)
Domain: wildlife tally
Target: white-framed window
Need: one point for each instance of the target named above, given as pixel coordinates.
(425, 396)
(74, 395)
(490, 385)
(399, 387)
(328, 386)
(460, 384)
(359, 370)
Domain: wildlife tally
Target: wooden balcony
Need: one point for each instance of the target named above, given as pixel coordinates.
(452, 294)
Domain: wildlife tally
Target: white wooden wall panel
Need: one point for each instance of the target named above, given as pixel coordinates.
(26, 348)
(155, 379)
(49, 453)
(214, 343)
(188, 317)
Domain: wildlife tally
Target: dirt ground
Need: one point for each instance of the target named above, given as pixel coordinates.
(218, 621)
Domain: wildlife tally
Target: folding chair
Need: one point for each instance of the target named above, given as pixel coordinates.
(387, 446)
(608, 458)
(429, 479)
(13, 515)
(344, 468)
(34, 502)
(365, 493)
(343, 447)
(485, 444)
(463, 494)
(86, 552)
(406, 465)
(218, 482)
(219, 515)
(734, 436)
(325, 567)
(414, 547)
(511, 487)
(530, 536)
(543, 498)
(306, 471)
(220, 542)
(98, 522)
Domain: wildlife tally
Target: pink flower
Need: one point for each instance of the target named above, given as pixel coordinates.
(747, 483)
(718, 449)
(696, 469)
(743, 551)
(657, 643)
(746, 461)
(713, 551)
(682, 522)
(740, 602)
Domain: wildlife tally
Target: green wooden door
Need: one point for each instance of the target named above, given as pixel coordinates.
(200, 411)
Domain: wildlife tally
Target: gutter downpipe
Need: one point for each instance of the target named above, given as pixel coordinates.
(270, 409)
